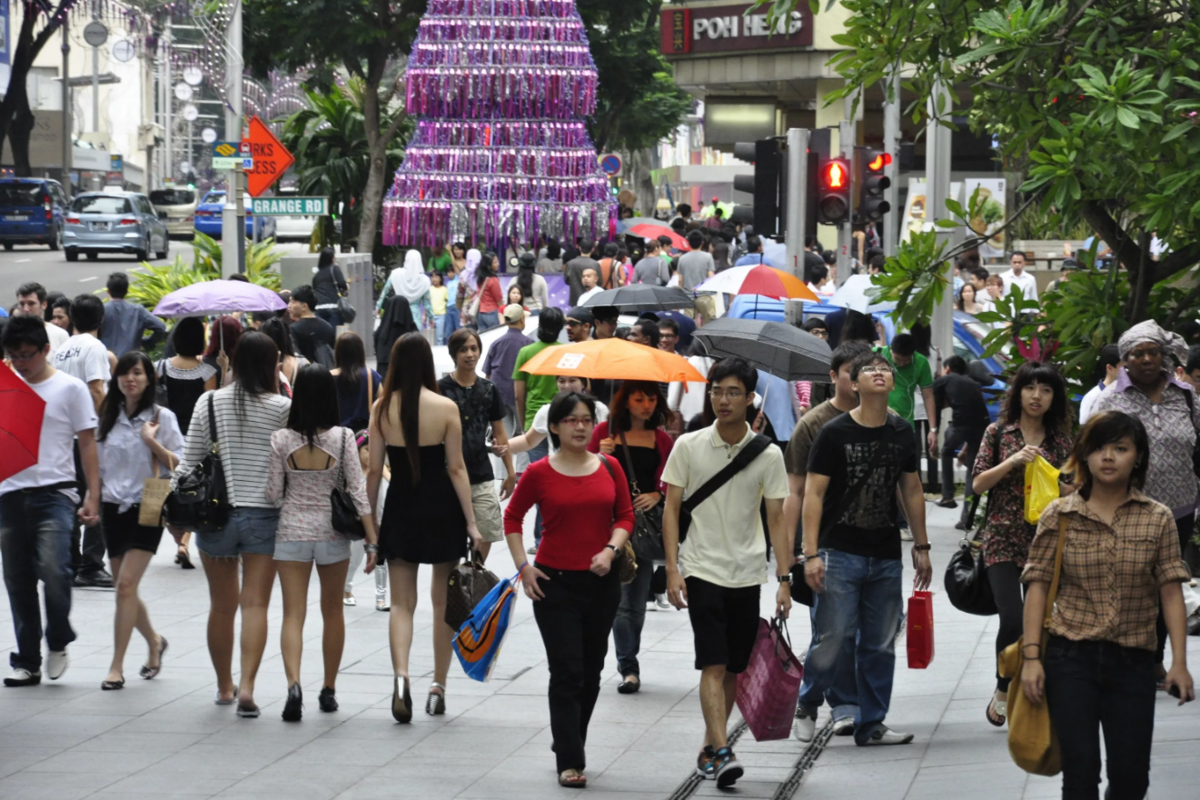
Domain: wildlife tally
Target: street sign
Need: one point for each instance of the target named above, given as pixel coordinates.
(291, 206)
(611, 164)
(271, 158)
(226, 155)
(95, 33)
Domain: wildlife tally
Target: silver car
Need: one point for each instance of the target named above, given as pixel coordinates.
(179, 205)
(122, 222)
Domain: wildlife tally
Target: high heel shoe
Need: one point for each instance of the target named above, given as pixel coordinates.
(435, 705)
(293, 709)
(401, 702)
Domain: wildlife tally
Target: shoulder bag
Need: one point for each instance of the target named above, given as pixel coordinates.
(1032, 742)
(647, 527)
(155, 491)
(344, 516)
(200, 502)
(625, 561)
(345, 308)
(750, 452)
(966, 580)
(469, 583)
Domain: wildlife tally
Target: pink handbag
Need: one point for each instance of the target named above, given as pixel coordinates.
(767, 691)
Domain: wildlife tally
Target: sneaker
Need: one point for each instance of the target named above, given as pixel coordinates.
(661, 601)
(57, 663)
(382, 603)
(293, 709)
(327, 700)
(843, 726)
(531, 550)
(726, 768)
(704, 765)
(804, 728)
(906, 535)
(946, 504)
(885, 735)
(23, 677)
(349, 600)
(94, 578)
(961, 525)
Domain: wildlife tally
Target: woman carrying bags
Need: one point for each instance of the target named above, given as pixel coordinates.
(136, 439)
(1120, 561)
(574, 583)
(311, 458)
(634, 435)
(1035, 421)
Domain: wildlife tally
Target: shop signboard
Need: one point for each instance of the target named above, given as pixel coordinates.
(728, 28)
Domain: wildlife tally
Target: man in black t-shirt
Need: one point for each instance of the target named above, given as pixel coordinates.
(852, 550)
(314, 337)
(481, 409)
(970, 419)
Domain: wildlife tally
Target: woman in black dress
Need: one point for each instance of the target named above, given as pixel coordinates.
(427, 515)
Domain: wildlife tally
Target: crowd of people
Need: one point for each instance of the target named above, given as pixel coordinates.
(699, 485)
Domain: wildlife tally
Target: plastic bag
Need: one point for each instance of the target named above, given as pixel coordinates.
(920, 630)
(1041, 486)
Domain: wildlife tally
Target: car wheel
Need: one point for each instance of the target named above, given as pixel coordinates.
(93, 256)
(160, 254)
(142, 255)
(8, 245)
(72, 254)
(56, 242)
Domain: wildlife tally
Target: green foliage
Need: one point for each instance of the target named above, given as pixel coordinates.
(152, 282)
(260, 258)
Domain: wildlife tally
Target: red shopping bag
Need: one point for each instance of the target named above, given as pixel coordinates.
(767, 691)
(920, 630)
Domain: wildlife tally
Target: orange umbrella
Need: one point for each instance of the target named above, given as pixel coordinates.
(758, 279)
(612, 359)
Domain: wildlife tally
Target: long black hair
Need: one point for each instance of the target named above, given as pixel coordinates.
(314, 402)
(486, 268)
(1058, 416)
(326, 258)
(410, 369)
(114, 401)
(528, 262)
(350, 357)
(281, 334)
(255, 367)
(619, 418)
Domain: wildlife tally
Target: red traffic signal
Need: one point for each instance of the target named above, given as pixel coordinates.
(833, 191)
(879, 161)
(835, 175)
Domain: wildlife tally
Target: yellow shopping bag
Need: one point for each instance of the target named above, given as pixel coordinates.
(1041, 486)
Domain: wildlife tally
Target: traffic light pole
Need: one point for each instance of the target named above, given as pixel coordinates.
(846, 140)
(797, 199)
(891, 145)
(233, 215)
(937, 191)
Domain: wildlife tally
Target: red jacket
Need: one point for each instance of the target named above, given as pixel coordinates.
(662, 442)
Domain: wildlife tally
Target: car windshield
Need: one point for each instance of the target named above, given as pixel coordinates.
(20, 194)
(214, 197)
(172, 197)
(100, 204)
(979, 331)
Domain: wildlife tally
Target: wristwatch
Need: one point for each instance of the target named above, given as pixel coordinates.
(370, 548)
(922, 548)
(612, 547)
(785, 578)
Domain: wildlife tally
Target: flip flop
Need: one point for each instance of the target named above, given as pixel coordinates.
(572, 779)
(148, 671)
(994, 715)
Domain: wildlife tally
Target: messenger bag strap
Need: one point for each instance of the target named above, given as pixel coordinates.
(750, 452)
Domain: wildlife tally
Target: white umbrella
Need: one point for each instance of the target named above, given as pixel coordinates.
(853, 295)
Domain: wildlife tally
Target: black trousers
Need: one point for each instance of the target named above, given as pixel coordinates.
(575, 618)
(87, 544)
(954, 441)
(921, 431)
(1005, 579)
(1185, 526)
(1096, 685)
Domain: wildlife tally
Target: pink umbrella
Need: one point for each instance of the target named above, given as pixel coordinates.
(218, 297)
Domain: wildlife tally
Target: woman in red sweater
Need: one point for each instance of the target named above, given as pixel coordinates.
(634, 435)
(490, 296)
(586, 517)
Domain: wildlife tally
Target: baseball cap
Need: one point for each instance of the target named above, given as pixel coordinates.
(582, 314)
(513, 313)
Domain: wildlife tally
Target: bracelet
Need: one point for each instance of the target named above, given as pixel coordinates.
(814, 555)
(922, 548)
(521, 568)
(370, 548)
(1031, 644)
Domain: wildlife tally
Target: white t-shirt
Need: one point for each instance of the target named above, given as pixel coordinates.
(1026, 281)
(58, 337)
(541, 421)
(85, 357)
(1089, 402)
(69, 410)
(583, 298)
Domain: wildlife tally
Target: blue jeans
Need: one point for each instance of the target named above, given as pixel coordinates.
(487, 320)
(35, 543)
(330, 315)
(439, 327)
(631, 616)
(862, 599)
(451, 318)
(843, 695)
(537, 454)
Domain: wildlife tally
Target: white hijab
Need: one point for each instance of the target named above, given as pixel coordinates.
(410, 281)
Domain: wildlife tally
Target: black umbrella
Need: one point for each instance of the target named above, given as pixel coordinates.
(642, 297)
(783, 350)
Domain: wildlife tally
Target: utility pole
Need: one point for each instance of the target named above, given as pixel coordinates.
(96, 78)
(168, 104)
(846, 137)
(937, 191)
(891, 145)
(233, 216)
(67, 144)
(797, 198)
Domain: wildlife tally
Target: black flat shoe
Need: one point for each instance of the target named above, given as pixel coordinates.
(946, 504)
(327, 699)
(628, 686)
(293, 709)
(401, 701)
(148, 671)
(184, 560)
(110, 686)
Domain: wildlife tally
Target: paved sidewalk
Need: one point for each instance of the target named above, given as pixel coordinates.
(165, 738)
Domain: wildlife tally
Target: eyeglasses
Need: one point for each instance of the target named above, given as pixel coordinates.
(875, 369)
(1146, 352)
(820, 332)
(732, 394)
(573, 323)
(23, 357)
(576, 422)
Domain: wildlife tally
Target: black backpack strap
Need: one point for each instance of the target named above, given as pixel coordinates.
(751, 451)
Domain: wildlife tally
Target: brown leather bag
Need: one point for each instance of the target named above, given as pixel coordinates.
(469, 582)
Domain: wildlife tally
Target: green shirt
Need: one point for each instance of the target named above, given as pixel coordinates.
(441, 263)
(539, 389)
(917, 375)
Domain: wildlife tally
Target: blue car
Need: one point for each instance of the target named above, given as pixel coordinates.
(968, 339)
(208, 217)
(31, 212)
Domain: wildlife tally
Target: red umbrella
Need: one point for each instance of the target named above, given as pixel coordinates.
(646, 231)
(21, 412)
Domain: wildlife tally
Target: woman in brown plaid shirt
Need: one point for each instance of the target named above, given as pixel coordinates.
(1120, 560)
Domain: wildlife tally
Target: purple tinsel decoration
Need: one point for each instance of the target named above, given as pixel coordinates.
(500, 89)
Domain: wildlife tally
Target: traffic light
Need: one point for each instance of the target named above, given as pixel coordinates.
(871, 205)
(770, 165)
(833, 191)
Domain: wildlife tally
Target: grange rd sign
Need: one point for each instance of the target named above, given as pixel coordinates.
(291, 206)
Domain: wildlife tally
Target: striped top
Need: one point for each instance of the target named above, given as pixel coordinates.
(244, 442)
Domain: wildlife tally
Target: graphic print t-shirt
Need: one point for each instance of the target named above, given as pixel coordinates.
(868, 525)
(480, 406)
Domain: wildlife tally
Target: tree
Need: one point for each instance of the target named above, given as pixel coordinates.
(368, 39)
(1100, 99)
(39, 22)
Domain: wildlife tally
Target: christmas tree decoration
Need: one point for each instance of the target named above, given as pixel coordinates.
(500, 89)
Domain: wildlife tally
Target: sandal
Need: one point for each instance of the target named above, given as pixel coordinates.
(435, 704)
(148, 671)
(184, 560)
(997, 711)
(572, 779)
(109, 686)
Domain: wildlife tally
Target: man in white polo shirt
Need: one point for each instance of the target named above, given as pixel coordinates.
(1017, 276)
(718, 571)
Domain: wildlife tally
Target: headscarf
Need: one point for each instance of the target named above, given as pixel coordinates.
(1150, 332)
(410, 280)
(467, 276)
(397, 321)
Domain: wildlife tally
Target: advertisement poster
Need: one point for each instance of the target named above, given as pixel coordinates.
(4, 44)
(990, 215)
(917, 215)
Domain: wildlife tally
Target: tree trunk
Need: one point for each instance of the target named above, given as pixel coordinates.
(372, 199)
(16, 118)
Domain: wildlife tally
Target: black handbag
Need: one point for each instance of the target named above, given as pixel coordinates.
(344, 516)
(966, 579)
(647, 527)
(346, 310)
(200, 501)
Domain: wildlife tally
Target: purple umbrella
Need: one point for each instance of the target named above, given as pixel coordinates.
(218, 297)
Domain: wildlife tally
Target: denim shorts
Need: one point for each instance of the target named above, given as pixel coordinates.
(249, 530)
(323, 553)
